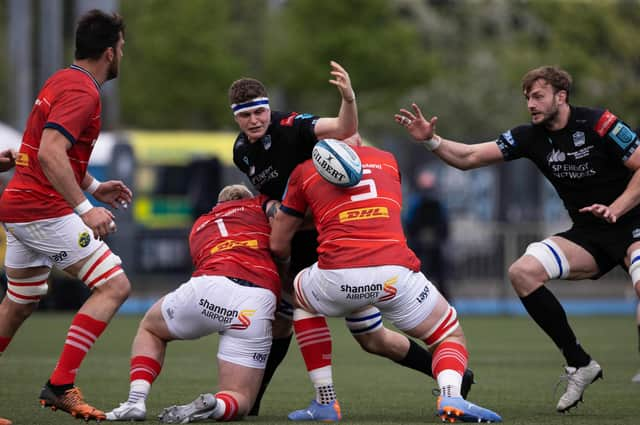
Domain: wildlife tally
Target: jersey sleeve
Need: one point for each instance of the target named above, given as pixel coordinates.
(304, 125)
(72, 112)
(512, 143)
(294, 202)
(619, 138)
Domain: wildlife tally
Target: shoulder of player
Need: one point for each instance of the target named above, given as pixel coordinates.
(78, 79)
(68, 82)
(600, 120)
(285, 120)
(587, 115)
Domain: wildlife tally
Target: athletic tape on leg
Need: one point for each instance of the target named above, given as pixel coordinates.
(549, 254)
(101, 266)
(27, 290)
(634, 267)
(445, 327)
(365, 321)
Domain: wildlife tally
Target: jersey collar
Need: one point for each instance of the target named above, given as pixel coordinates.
(81, 69)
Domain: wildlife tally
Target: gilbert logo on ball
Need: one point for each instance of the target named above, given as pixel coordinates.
(337, 162)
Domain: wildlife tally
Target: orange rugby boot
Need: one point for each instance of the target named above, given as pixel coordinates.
(71, 402)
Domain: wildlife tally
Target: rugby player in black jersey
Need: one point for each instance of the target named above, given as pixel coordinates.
(270, 145)
(590, 156)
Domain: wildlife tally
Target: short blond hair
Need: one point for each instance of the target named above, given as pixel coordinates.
(234, 192)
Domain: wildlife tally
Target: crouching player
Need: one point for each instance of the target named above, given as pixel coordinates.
(234, 292)
(364, 262)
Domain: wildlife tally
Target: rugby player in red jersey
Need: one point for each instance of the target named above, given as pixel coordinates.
(271, 144)
(233, 291)
(364, 265)
(49, 221)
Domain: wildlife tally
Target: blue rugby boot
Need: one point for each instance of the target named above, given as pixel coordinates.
(457, 409)
(318, 412)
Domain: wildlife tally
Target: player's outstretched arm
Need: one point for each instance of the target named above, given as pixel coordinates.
(346, 123)
(456, 154)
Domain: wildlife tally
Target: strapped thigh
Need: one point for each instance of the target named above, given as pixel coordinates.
(549, 254)
(634, 266)
(447, 324)
(27, 290)
(101, 266)
(365, 321)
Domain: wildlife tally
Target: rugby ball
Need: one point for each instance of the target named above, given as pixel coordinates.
(337, 163)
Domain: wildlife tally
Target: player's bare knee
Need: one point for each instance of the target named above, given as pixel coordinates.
(117, 289)
(16, 312)
(517, 274)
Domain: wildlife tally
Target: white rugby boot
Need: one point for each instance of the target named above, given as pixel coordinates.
(577, 381)
(128, 411)
(199, 409)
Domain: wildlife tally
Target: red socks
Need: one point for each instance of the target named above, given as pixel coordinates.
(145, 368)
(230, 406)
(83, 333)
(451, 356)
(314, 340)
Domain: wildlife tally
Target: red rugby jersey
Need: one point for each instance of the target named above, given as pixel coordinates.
(68, 102)
(233, 240)
(359, 226)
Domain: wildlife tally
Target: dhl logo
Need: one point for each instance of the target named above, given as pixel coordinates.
(389, 289)
(22, 160)
(230, 244)
(243, 317)
(363, 214)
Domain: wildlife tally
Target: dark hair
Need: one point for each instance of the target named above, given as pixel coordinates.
(96, 32)
(246, 89)
(558, 78)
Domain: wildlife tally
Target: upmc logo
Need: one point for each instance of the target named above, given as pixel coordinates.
(363, 214)
(243, 317)
(389, 289)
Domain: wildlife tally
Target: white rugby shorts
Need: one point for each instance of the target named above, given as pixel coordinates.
(241, 315)
(403, 296)
(60, 241)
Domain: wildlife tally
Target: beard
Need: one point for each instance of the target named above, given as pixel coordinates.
(549, 116)
(113, 70)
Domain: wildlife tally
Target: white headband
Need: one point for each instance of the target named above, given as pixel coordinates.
(258, 102)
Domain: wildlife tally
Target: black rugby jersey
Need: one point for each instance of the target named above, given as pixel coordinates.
(583, 161)
(268, 162)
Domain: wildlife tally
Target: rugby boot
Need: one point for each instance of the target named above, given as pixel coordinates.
(636, 378)
(4, 421)
(578, 379)
(199, 409)
(457, 409)
(71, 401)
(318, 412)
(128, 411)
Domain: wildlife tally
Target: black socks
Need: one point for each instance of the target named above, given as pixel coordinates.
(545, 309)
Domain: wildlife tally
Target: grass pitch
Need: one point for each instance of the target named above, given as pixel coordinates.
(516, 369)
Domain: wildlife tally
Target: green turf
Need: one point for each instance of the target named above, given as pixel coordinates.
(516, 368)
